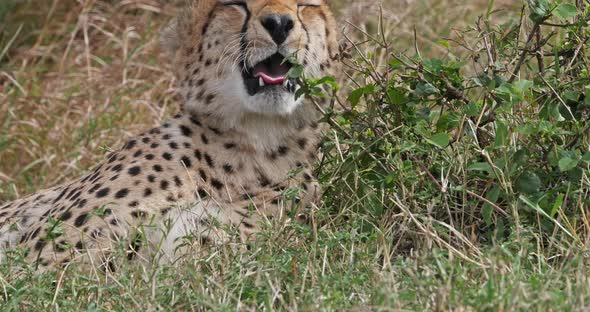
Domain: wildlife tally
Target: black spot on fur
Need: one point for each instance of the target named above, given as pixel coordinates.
(167, 156)
(65, 216)
(82, 203)
(302, 143)
(186, 131)
(81, 220)
(157, 168)
(195, 121)
(40, 244)
(216, 184)
(122, 193)
(112, 157)
(133, 171)
(209, 161)
(103, 192)
(164, 185)
(78, 193)
(67, 197)
(95, 177)
(130, 144)
(228, 168)
(147, 192)
(187, 161)
(151, 178)
(203, 175)
(263, 180)
(94, 188)
(149, 156)
(283, 150)
(209, 98)
(201, 193)
(247, 225)
(60, 195)
(204, 139)
(198, 155)
(35, 233)
(215, 130)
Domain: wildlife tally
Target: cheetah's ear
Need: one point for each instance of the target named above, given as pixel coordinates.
(170, 37)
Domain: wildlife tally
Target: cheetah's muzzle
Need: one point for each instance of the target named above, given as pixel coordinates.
(269, 75)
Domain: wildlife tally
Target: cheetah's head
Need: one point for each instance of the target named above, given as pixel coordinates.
(232, 56)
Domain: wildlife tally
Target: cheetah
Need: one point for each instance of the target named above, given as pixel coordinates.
(241, 139)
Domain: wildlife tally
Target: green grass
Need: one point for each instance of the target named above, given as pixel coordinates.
(448, 186)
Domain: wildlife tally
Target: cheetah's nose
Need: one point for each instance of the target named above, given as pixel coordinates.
(278, 26)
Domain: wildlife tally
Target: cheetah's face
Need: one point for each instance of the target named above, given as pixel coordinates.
(247, 47)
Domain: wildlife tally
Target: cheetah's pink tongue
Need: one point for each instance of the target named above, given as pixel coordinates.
(271, 71)
(270, 79)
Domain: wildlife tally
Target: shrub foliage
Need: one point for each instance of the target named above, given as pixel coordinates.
(476, 146)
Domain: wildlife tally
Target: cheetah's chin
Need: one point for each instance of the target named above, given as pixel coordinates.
(269, 75)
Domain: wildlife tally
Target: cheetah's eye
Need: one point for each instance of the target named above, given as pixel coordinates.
(233, 2)
(309, 2)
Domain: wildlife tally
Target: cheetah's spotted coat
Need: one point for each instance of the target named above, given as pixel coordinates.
(241, 140)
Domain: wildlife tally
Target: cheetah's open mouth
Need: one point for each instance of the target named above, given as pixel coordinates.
(270, 73)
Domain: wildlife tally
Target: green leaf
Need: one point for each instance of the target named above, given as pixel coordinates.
(565, 11)
(295, 72)
(558, 203)
(433, 65)
(487, 209)
(396, 97)
(522, 86)
(327, 80)
(425, 89)
(482, 166)
(528, 182)
(535, 206)
(539, 9)
(355, 96)
(567, 164)
(501, 134)
(441, 140)
(490, 8)
(586, 157)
